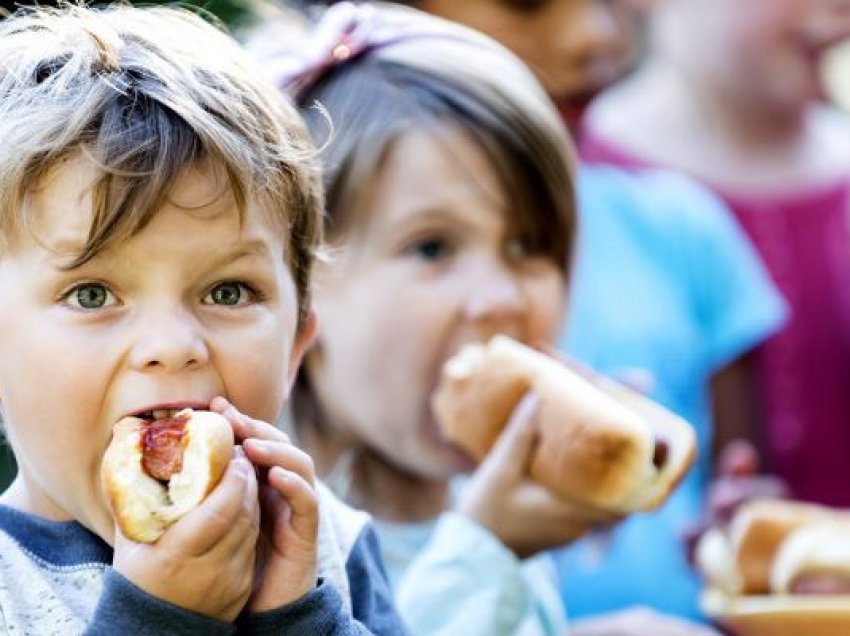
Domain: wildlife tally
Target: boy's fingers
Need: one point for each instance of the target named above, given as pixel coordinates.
(267, 454)
(512, 450)
(206, 524)
(244, 426)
(242, 535)
(299, 496)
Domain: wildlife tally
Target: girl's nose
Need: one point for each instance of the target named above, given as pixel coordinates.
(170, 340)
(495, 297)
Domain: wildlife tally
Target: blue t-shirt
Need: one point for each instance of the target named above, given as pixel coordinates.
(667, 287)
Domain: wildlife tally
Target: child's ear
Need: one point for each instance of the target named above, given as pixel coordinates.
(304, 338)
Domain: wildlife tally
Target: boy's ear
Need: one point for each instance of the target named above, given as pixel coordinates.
(304, 339)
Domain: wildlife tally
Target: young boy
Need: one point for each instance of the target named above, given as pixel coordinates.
(159, 210)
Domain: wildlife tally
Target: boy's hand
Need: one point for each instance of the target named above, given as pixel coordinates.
(523, 514)
(205, 561)
(287, 567)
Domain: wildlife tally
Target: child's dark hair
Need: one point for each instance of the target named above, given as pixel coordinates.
(432, 75)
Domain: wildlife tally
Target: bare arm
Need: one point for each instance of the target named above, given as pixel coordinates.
(735, 408)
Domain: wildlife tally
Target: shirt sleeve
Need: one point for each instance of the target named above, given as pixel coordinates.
(371, 596)
(124, 608)
(319, 612)
(736, 303)
(467, 582)
(322, 610)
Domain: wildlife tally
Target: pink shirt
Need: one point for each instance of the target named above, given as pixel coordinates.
(804, 370)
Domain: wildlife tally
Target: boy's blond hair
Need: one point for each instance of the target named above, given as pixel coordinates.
(146, 94)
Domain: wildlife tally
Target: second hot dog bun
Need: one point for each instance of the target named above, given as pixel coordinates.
(198, 451)
(742, 558)
(597, 438)
(814, 559)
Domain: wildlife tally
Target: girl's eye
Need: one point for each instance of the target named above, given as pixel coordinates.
(91, 296)
(230, 294)
(431, 249)
(518, 249)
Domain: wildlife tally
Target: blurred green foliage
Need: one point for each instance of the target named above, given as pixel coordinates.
(233, 13)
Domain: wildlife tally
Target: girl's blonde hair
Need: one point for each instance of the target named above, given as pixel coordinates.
(146, 94)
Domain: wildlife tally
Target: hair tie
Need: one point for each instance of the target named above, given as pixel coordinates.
(346, 31)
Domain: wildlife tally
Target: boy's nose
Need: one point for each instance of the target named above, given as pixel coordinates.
(169, 341)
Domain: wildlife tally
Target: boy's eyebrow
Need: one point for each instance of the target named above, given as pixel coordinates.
(242, 250)
(69, 248)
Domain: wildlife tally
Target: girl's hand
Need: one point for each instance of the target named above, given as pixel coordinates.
(287, 567)
(525, 516)
(205, 561)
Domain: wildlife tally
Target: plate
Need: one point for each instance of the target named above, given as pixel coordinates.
(779, 615)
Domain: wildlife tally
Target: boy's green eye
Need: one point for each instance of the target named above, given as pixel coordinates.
(90, 296)
(226, 294)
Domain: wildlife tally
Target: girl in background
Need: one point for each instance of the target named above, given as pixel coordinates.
(450, 219)
(667, 294)
(730, 94)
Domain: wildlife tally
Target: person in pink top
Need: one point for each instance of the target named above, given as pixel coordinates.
(729, 93)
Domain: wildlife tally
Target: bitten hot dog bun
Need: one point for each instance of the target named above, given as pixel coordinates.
(814, 560)
(155, 471)
(600, 443)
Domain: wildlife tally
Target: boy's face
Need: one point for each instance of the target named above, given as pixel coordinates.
(192, 307)
(426, 270)
(576, 47)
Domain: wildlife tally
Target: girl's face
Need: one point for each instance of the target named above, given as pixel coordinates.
(429, 266)
(768, 51)
(576, 47)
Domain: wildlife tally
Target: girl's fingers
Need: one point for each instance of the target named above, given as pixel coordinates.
(268, 454)
(511, 453)
(244, 426)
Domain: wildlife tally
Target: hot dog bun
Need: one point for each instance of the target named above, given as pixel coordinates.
(816, 557)
(597, 438)
(143, 506)
(741, 559)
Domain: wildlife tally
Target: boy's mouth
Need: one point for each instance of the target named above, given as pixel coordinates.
(167, 411)
(158, 414)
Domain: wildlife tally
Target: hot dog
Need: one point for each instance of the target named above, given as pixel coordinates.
(777, 546)
(600, 443)
(154, 472)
